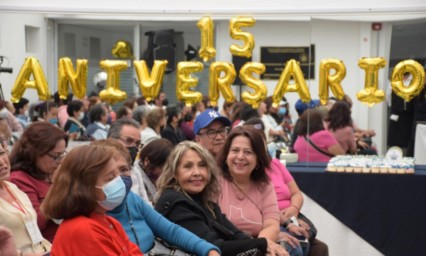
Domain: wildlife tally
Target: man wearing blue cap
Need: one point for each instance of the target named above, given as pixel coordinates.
(211, 130)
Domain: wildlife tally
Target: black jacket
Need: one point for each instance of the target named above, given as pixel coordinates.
(192, 215)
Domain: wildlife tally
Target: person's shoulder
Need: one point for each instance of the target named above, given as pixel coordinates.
(168, 199)
(19, 176)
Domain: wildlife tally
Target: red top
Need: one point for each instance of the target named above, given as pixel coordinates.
(95, 235)
(36, 191)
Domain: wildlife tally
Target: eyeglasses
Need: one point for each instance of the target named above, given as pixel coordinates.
(129, 142)
(213, 133)
(57, 157)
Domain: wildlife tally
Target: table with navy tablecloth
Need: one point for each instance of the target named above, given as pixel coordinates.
(386, 210)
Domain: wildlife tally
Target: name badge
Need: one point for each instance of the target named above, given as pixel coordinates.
(34, 232)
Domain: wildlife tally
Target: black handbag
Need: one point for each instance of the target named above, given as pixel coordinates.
(162, 248)
(312, 229)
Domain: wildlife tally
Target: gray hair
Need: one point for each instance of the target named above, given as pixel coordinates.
(115, 130)
(140, 113)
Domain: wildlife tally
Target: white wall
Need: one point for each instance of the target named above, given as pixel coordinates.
(345, 40)
(12, 46)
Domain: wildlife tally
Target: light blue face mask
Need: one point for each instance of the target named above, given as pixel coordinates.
(114, 191)
(282, 111)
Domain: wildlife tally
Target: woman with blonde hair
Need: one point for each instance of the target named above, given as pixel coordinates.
(188, 193)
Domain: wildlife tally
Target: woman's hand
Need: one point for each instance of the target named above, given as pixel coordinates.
(275, 249)
(296, 230)
(289, 212)
(291, 240)
(7, 244)
(213, 253)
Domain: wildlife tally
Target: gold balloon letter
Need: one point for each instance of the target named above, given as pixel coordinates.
(415, 87)
(184, 81)
(207, 50)
(235, 32)
(291, 70)
(31, 67)
(370, 94)
(112, 92)
(327, 80)
(77, 79)
(260, 91)
(221, 83)
(150, 85)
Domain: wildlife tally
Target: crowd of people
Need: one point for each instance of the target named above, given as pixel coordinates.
(206, 182)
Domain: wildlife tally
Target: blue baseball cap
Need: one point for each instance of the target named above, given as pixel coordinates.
(301, 106)
(207, 117)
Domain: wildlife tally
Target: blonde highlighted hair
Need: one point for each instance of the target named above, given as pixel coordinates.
(167, 178)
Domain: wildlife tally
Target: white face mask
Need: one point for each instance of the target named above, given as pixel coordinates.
(81, 116)
(3, 113)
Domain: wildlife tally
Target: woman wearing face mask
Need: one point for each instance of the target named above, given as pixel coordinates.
(86, 185)
(141, 222)
(73, 126)
(34, 159)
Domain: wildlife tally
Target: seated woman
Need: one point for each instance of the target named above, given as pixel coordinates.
(17, 214)
(73, 126)
(314, 143)
(149, 166)
(339, 123)
(34, 159)
(85, 186)
(188, 192)
(142, 223)
(248, 198)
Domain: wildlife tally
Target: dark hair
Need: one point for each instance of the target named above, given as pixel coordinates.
(73, 192)
(310, 122)
(45, 107)
(236, 110)
(130, 103)
(20, 104)
(268, 102)
(96, 112)
(38, 139)
(248, 112)
(58, 100)
(115, 130)
(157, 152)
(74, 106)
(123, 111)
(339, 116)
(259, 175)
(256, 122)
(172, 111)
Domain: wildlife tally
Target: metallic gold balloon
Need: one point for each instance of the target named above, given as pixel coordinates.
(260, 91)
(417, 83)
(235, 32)
(150, 84)
(207, 50)
(122, 49)
(222, 83)
(77, 79)
(291, 70)
(184, 81)
(370, 94)
(112, 92)
(30, 67)
(326, 80)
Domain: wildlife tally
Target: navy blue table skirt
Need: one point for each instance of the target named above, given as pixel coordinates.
(387, 210)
